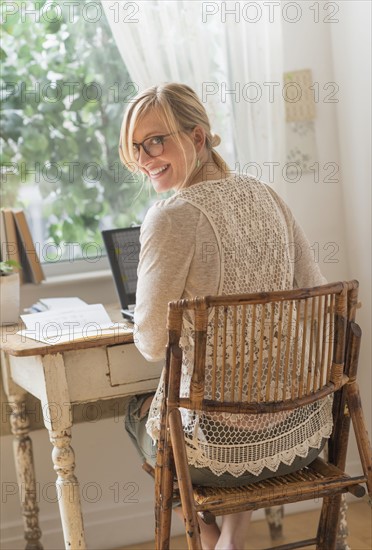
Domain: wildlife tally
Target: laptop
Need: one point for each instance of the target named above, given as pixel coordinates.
(123, 248)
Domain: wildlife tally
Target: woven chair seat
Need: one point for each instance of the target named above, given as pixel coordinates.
(279, 490)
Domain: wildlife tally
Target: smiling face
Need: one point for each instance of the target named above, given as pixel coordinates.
(166, 133)
(171, 168)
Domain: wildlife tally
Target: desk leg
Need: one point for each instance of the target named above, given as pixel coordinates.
(274, 518)
(57, 412)
(24, 462)
(67, 489)
(343, 531)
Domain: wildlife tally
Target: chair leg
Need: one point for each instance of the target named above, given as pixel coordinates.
(158, 495)
(361, 434)
(355, 407)
(163, 500)
(184, 481)
(328, 523)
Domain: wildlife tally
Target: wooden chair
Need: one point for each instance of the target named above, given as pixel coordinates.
(319, 340)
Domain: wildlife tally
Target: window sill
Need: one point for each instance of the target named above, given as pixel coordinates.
(91, 287)
(73, 278)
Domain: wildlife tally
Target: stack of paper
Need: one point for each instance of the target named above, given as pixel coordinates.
(60, 325)
(56, 303)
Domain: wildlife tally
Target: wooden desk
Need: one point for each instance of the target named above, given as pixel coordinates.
(60, 376)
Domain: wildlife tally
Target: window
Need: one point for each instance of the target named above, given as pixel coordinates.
(64, 88)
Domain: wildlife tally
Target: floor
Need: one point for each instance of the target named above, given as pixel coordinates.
(296, 526)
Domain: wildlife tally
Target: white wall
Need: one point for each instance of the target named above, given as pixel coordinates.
(318, 206)
(351, 51)
(338, 212)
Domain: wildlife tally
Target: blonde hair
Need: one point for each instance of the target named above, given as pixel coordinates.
(179, 108)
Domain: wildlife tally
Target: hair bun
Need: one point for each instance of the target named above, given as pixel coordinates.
(216, 140)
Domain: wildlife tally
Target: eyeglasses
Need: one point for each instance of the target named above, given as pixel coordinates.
(153, 146)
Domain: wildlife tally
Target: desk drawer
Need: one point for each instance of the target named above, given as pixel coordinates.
(127, 366)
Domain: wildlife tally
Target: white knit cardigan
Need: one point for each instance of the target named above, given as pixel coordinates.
(222, 237)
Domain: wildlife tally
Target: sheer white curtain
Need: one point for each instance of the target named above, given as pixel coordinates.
(252, 66)
(229, 58)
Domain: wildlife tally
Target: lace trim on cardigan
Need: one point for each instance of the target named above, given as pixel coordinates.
(244, 451)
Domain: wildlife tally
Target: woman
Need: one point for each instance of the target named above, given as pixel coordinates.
(219, 233)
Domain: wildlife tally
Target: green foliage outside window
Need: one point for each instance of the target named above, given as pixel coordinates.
(64, 88)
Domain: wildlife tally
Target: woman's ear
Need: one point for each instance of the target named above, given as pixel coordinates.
(199, 138)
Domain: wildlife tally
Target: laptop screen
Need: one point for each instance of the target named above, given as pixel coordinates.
(123, 248)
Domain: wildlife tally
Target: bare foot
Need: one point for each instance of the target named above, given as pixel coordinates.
(209, 534)
(234, 531)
